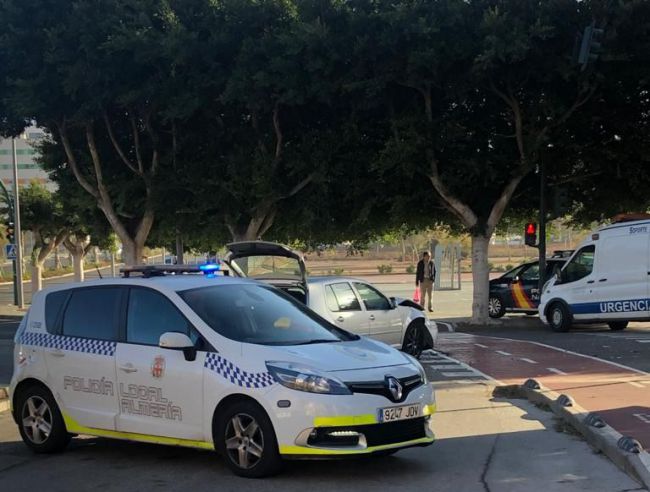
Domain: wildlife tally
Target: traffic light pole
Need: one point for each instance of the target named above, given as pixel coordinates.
(19, 247)
(542, 224)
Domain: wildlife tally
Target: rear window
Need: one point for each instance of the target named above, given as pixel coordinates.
(53, 304)
(92, 313)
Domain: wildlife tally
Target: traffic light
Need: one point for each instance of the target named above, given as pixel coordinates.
(531, 234)
(9, 232)
(590, 45)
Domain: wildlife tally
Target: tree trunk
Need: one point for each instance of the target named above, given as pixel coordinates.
(480, 278)
(78, 266)
(37, 277)
(132, 252)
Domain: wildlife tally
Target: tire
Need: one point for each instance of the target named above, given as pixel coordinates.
(559, 317)
(617, 325)
(37, 412)
(496, 308)
(413, 343)
(255, 454)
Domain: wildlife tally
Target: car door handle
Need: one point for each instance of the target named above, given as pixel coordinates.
(128, 368)
(57, 353)
(340, 319)
(602, 280)
(372, 317)
(590, 281)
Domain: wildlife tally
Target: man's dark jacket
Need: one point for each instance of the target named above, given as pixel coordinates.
(419, 274)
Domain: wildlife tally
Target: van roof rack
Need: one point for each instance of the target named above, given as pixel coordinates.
(148, 271)
(630, 217)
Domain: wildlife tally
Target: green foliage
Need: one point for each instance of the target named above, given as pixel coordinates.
(410, 269)
(385, 268)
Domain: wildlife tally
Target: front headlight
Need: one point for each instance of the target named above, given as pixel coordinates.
(418, 366)
(303, 378)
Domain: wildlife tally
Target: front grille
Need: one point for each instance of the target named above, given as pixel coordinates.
(376, 434)
(379, 387)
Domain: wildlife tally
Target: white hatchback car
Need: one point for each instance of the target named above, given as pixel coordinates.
(350, 303)
(211, 362)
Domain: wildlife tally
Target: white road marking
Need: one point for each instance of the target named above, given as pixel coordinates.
(564, 351)
(643, 341)
(643, 417)
(481, 345)
(459, 374)
(530, 361)
(445, 367)
(502, 352)
(470, 368)
(635, 384)
(556, 371)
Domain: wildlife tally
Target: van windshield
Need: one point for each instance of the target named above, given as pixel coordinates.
(581, 265)
(260, 314)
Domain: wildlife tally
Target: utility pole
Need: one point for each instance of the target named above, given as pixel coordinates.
(19, 240)
(542, 224)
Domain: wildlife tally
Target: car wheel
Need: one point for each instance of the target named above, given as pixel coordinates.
(40, 421)
(496, 309)
(244, 436)
(559, 317)
(413, 343)
(617, 325)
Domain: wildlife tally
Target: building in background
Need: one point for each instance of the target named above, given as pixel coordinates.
(28, 169)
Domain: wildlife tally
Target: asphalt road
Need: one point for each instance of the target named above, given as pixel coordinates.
(484, 444)
(630, 347)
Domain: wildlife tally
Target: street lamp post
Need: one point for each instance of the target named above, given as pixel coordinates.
(18, 237)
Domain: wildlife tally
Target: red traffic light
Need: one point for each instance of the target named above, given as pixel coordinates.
(531, 234)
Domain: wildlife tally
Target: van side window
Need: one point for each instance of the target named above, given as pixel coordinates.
(581, 265)
(53, 304)
(104, 304)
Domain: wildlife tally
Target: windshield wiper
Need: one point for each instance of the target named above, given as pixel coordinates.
(321, 340)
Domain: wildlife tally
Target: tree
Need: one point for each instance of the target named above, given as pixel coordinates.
(103, 108)
(485, 86)
(42, 214)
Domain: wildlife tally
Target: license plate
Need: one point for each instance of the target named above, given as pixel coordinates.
(392, 414)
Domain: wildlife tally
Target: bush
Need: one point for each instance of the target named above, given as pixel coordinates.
(337, 271)
(410, 269)
(490, 267)
(385, 268)
(509, 267)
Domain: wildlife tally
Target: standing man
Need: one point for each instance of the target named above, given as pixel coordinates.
(425, 275)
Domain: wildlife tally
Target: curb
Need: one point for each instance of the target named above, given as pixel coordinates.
(634, 460)
(4, 400)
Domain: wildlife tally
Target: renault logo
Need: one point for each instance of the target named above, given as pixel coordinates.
(395, 387)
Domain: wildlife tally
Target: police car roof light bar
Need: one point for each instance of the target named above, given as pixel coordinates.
(148, 271)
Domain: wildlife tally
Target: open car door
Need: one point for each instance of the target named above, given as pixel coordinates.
(268, 262)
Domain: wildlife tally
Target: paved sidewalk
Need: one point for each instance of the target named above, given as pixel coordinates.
(619, 394)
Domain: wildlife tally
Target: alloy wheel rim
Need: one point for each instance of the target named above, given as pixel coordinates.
(557, 317)
(412, 344)
(37, 419)
(494, 305)
(244, 441)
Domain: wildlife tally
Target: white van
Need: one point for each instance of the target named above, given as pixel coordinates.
(606, 280)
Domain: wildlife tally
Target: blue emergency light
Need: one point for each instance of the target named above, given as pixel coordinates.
(210, 269)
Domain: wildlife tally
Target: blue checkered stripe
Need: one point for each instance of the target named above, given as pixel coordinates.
(235, 375)
(99, 347)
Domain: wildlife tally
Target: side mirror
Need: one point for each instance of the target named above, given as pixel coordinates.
(516, 279)
(178, 341)
(393, 303)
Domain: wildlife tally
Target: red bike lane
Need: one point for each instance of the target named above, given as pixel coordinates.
(619, 394)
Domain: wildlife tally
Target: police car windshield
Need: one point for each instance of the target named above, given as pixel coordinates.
(260, 314)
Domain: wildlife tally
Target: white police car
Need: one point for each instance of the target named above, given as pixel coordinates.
(210, 362)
